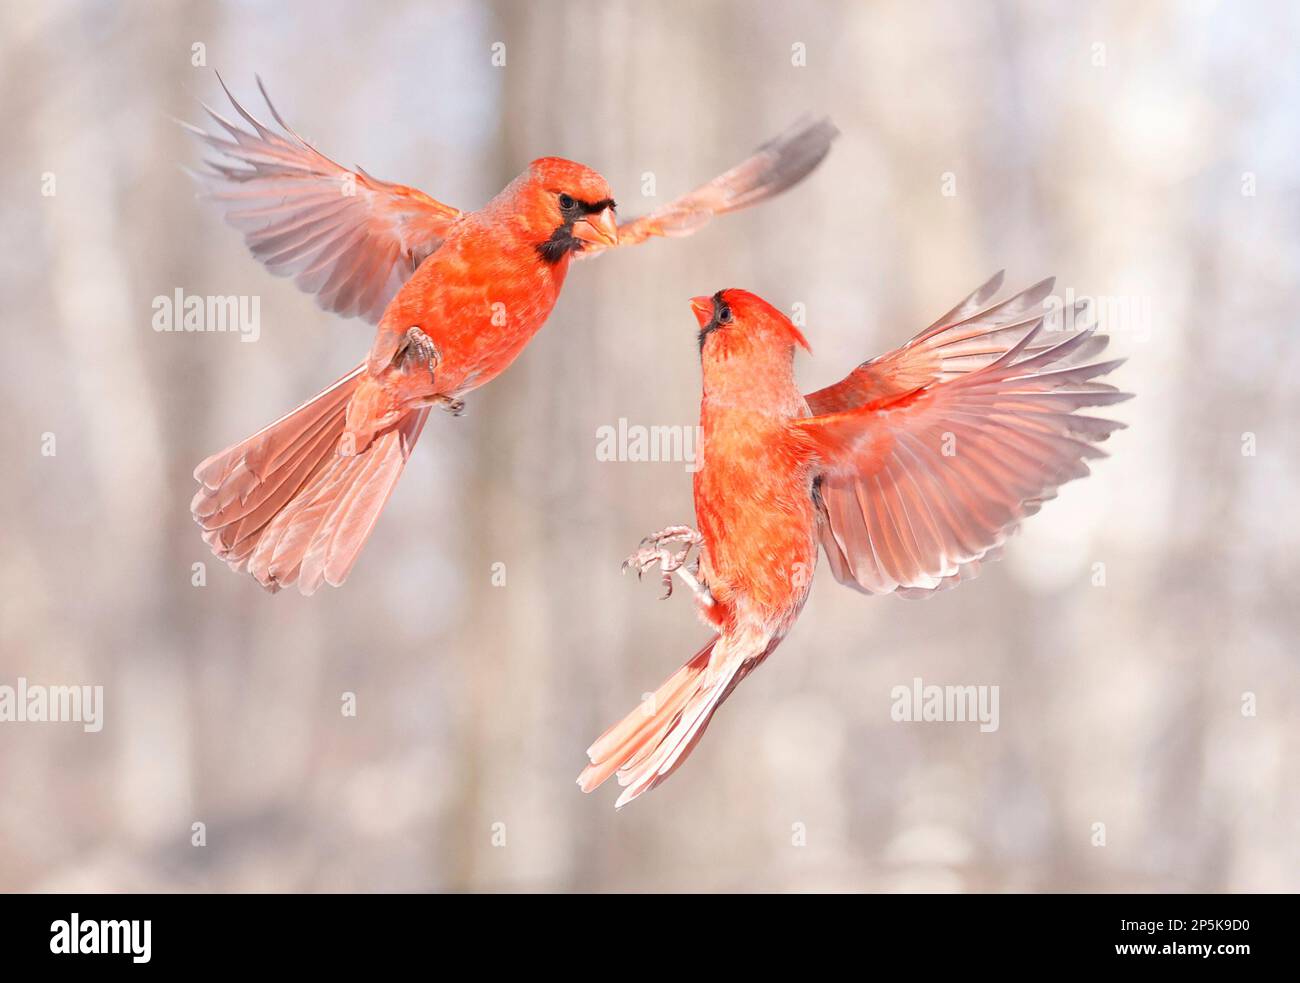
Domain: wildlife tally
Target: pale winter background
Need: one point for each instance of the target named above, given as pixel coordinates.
(1145, 153)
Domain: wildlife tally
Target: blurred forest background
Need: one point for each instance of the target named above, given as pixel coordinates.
(1142, 152)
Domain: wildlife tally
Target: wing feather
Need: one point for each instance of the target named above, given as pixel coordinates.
(344, 236)
(782, 162)
(932, 454)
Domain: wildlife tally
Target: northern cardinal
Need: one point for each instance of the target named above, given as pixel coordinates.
(456, 297)
(910, 471)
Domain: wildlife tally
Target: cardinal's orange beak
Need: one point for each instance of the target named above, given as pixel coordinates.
(703, 308)
(600, 229)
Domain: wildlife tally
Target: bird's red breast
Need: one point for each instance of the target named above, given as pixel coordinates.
(492, 285)
(753, 491)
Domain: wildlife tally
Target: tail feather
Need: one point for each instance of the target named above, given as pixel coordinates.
(652, 742)
(264, 501)
(248, 492)
(337, 543)
(286, 507)
(639, 720)
(680, 739)
(259, 453)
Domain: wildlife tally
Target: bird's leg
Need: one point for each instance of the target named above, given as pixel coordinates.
(654, 551)
(418, 349)
(691, 579)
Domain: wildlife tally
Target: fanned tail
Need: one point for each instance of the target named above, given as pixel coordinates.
(286, 507)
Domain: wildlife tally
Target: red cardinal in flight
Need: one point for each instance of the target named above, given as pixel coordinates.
(455, 295)
(910, 472)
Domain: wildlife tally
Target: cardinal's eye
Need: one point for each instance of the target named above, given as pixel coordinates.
(566, 203)
(724, 315)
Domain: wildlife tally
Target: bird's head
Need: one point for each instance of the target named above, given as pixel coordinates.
(566, 205)
(746, 342)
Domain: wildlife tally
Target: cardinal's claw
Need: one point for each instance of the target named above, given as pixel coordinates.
(646, 557)
(688, 537)
(674, 534)
(418, 349)
(652, 551)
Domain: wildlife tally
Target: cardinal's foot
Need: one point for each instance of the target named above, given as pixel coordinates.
(418, 349)
(647, 557)
(675, 534)
(653, 552)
